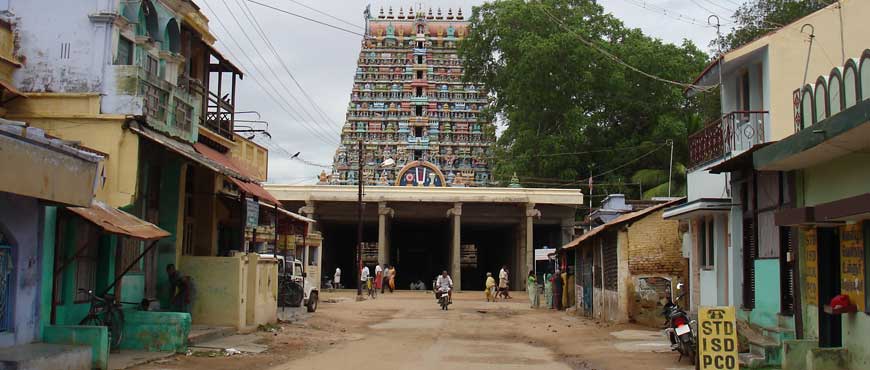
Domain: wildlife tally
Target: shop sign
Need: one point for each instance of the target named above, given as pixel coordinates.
(542, 254)
(468, 256)
(852, 263)
(252, 212)
(717, 340)
(811, 266)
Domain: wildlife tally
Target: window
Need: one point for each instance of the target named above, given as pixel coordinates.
(419, 91)
(419, 44)
(706, 245)
(419, 74)
(6, 284)
(125, 52)
(152, 66)
(419, 59)
(130, 251)
(418, 131)
(418, 155)
(743, 97)
(418, 111)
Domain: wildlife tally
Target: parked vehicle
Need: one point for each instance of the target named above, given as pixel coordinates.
(681, 331)
(443, 299)
(294, 288)
(104, 311)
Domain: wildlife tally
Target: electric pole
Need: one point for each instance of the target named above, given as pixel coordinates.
(359, 220)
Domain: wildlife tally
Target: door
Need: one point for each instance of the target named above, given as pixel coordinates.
(830, 327)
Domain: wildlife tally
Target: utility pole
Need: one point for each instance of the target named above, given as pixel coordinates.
(671, 167)
(359, 219)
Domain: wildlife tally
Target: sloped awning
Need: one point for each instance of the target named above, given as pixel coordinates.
(628, 217)
(250, 187)
(118, 222)
(292, 215)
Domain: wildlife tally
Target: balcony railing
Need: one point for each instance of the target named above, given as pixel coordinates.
(734, 132)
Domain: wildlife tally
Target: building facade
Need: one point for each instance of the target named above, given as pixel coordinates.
(419, 123)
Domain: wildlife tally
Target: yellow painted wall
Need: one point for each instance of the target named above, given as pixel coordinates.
(251, 155)
(262, 305)
(8, 62)
(219, 290)
(787, 50)
(75, 117)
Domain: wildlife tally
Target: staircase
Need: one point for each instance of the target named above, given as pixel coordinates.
(765, 345)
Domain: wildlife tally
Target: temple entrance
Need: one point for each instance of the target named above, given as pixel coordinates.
(339, 250)
(419, 251)
(494, 245)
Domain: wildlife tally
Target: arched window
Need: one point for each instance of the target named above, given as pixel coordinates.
(807, 113)
(148, 18)
(850, 84)
(172, 37)
(821, 100)
(835, 92)
(865, 75)
(420, 28)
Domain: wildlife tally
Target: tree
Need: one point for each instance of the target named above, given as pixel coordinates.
(759, 17)
(558, 95)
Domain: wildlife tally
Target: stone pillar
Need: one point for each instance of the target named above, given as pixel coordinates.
(456, 227)
(567, 227)
(308, 211)
(527, 258)
(384, 215)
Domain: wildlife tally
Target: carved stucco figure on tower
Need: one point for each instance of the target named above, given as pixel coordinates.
(409, 104)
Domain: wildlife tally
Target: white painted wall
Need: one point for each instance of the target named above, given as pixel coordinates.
(62, 48)
(703, 184)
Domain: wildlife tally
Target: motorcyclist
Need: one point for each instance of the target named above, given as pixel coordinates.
(445, 284)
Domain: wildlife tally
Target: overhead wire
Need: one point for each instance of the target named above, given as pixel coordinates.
(281, 61)
(282, 105)
(275, 74)
(666, 12)
(306, 18)
(616, 59)
(327, 14)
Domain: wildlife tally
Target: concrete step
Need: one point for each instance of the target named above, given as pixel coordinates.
(778, 334)
(751, 361)
(204, 333)
(37, 356)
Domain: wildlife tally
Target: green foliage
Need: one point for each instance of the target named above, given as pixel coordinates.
(557, 95)
(759, 17)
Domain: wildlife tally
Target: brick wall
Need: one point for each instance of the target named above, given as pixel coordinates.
(655, 247)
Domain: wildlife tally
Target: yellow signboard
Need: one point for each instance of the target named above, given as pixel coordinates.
(811, 267)
(852, 263)
(717, 339)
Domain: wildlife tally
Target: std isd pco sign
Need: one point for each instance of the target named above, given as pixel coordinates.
(717, 340)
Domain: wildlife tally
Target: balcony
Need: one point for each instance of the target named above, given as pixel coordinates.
(734, 132)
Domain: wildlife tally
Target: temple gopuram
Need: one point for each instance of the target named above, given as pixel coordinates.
(419, 123)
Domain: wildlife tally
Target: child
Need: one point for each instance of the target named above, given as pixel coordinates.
(490, 287)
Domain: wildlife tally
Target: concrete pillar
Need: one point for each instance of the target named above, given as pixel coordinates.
(384, 215)
(455, 251)
(527, 258)
(567, 227)
(308, 211)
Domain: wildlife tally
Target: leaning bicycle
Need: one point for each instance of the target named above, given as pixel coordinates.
(104, 311)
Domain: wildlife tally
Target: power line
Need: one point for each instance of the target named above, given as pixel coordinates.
(269, 67)
(271, 47)
(731, 11)
(617, 60)
(327, 14)
(269, 93)
(666, 12)
(306, 18)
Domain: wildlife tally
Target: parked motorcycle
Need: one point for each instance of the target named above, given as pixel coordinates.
(679, 329)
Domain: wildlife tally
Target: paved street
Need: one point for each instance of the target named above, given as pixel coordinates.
(409, 331)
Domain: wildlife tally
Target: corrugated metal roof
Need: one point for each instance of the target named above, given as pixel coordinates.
(249, 187)
(116, 221)
(616, 221)
(295, 216)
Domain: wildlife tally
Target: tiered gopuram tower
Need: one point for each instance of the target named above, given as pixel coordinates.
(419, 123)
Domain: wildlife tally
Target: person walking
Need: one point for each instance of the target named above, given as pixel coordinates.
(385, 280)
(558, 285)
(379, 277)
(548, 289)
(532, 289)
(503, 282)
(565, 288)
(364, 277)
(490, 288)
(392, 278)
(336, 278)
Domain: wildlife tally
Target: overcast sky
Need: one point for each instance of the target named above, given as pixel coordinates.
(323, 61)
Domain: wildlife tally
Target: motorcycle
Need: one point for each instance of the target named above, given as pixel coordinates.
(443, 296)
(679, 329)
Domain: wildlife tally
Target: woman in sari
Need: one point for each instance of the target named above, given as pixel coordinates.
(490, 287)
(548, 289)
(532, 289)
(392, 278)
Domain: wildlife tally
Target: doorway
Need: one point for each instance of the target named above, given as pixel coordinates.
(830, 326)
(419, 251)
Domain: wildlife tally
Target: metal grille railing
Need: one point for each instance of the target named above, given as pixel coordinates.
(735, 131)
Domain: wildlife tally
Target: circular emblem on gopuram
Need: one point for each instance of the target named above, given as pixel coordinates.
(419, 173)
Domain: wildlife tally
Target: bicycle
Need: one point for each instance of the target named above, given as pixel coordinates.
(371, 288)
(105, 312)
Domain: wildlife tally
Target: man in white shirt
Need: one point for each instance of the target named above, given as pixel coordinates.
(445, 283)
(364, 277)
(337, 278)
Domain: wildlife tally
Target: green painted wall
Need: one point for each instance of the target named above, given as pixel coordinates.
(837, 179)
(856, 338)
(95, 336)
(170, 183)
(156, 331)
(48, 241)
(767, 293)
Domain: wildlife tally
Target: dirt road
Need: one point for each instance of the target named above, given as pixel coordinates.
(408, 330)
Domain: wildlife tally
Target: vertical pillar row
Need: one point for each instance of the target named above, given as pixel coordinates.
(456, 227)
(384, 215)
(528, 258)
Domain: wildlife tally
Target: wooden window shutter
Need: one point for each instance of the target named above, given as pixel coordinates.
(788, 246)
(750, 254)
